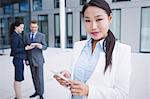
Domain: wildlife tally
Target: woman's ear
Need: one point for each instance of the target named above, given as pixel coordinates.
(110, 17)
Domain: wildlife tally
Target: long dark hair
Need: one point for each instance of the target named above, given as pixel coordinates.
(15, 24)
(109, 42)
(12, 28)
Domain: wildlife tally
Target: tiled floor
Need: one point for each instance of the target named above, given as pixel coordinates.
(58, 59)
(53, 61)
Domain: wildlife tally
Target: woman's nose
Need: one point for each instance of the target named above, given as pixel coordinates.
(94, 25)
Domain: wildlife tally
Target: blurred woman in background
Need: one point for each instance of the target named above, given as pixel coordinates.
(18, 53)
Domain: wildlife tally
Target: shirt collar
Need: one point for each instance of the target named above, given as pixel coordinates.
(33, 33)
(89, 42)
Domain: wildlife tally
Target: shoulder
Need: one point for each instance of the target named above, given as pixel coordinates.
(39, 33)
(14, 35)
(122, 45)
(122, 48)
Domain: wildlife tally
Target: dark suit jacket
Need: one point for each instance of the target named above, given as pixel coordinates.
(35, 56)
(17, 46)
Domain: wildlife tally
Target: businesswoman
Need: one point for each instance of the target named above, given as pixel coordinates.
(101, 65)
(18, 53)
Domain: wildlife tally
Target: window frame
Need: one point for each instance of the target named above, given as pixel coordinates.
(120, 0)
(55, 36)
(119, 37)
(67, 36)
(37, 8)
(82, 37)
(140, 49)
(25, 2)
(82, 2)
(8, 9)
(55, 5)
(40, 22)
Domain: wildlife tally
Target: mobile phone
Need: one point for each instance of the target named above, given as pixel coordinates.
(60, 75)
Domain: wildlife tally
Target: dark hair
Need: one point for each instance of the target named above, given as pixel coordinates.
(109, 42)
(15, 24)
(98, 3)
(33, 22)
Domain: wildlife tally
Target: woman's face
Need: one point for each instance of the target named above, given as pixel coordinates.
(96, 22)
(20, 28)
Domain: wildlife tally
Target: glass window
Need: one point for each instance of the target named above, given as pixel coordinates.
(57, 30)
(2, 36)
(83, 34)
(37, 5)
(8, 9)
(82, 2)
(69, 30)
(145, 30)
(56, 3)
(4, 32)
(43, 25)
(23, 7)
(119, 0)
(116, 23)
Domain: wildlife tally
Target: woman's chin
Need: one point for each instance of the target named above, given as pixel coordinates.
(96, 38)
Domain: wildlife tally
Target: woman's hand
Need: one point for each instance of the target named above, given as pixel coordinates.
(62, 81)
(27, 62)
(78, 88)
(29, 47)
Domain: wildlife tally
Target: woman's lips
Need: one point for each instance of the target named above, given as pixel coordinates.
(94, 33)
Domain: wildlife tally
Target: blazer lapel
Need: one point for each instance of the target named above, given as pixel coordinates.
(29, 38)
(36, 37)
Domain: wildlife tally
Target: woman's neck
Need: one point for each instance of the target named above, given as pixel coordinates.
(94, 42)
(16, 31)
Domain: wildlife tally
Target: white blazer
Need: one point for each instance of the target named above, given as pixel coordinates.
(113, 84)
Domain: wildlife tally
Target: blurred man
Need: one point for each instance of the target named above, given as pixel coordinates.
(34, 44)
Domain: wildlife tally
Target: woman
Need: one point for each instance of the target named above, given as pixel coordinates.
(18, 53)
(101, 67)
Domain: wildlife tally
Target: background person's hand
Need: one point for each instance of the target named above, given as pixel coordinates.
(37, 45)
(29, 47)
(78, 88)
(27, 62)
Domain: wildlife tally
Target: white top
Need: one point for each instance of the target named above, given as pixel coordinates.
(86, 62)
(111, 85)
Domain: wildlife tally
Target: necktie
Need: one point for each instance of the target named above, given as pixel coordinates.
(32, 37)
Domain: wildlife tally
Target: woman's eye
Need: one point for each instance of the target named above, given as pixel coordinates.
(87, 20)
(99, 19)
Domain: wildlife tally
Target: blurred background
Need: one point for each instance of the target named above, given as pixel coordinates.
(131, 25)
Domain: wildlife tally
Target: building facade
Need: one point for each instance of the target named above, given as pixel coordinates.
(131, 21)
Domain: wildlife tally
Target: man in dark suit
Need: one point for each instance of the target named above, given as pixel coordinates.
(35, 42)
